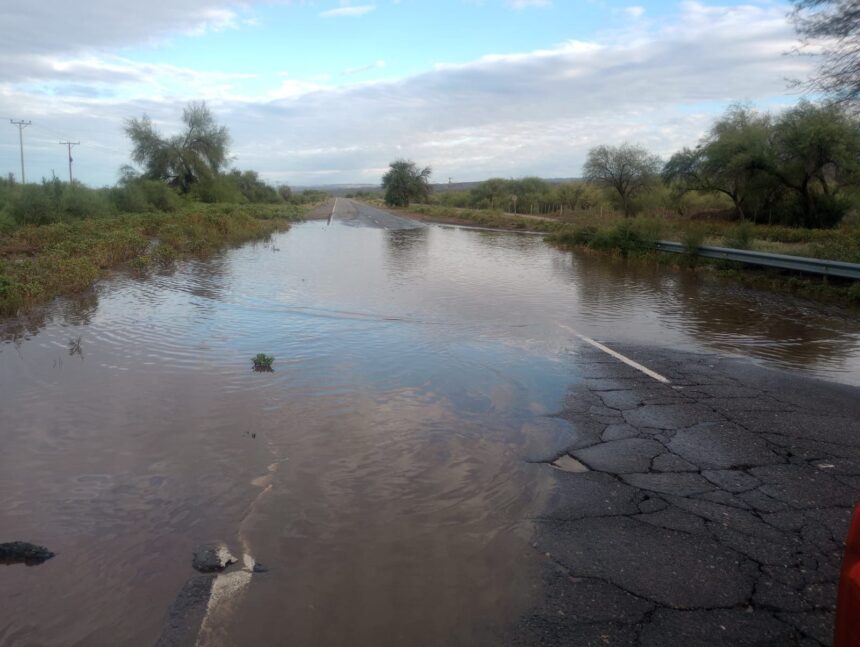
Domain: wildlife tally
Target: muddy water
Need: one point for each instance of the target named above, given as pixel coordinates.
(378, 474)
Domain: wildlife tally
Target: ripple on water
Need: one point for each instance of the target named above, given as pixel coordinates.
(414, 373)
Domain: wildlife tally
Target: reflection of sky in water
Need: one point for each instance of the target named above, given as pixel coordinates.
(414, 372)
(383, 302)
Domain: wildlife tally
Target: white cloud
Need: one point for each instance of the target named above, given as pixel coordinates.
(357, 10)
(59, 25)
(634, 12)
(524, 4)
(658, 83)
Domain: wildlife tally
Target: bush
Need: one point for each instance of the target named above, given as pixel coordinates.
(129, 198)
(626, 236)
(159, 196)
(741, 236)
(33, 206)
(54, 201)
(78, 201)
(216, 189)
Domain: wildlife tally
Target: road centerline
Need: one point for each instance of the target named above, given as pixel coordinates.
(633, 364)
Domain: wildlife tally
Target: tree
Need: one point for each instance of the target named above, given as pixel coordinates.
(815, 153)
(727, 160)
(627, 169)
(198, 152)
(493, 193)
(253, 188)
(834, 25)
(577, 195)
(404, 183)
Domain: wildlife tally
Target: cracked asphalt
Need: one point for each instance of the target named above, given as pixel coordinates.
(708, 511)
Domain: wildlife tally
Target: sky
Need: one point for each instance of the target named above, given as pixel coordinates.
(329, 92)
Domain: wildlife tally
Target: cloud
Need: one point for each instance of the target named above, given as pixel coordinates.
(51, 26)
(357, 10)
(659, 83)
(524, 4)
(634, 12)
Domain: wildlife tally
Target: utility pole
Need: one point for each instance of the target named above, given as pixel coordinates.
(70, 144)
(21, 126)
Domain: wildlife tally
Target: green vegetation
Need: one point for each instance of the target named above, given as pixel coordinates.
(584, 227)
(39, 262)
(263, 363)
(800, 168)
(405, 183)
(192, 156)
(628, 170)
(58, 237)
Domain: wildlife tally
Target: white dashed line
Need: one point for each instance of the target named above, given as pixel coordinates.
(618, 356)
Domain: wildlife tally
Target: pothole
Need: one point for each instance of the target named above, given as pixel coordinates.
(568, 463)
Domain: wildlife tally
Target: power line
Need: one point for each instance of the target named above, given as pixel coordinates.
(69, 145)
(21, 126)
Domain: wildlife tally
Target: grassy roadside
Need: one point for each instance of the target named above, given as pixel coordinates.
(842, 243)
(613, 234)
(38, 263)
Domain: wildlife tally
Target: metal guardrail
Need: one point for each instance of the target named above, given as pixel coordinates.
(819, 266)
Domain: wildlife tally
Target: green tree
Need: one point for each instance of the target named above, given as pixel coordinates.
(577, 195)
(728, 160)
(253, 188)
(626, 169)
(815, 154)
(494, 193)
(196, 153)
(404, 183)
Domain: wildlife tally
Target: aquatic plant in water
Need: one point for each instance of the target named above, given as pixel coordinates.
(263, 362)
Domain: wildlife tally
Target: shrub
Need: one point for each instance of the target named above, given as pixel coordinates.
(693, 238)
(741, 236)
(77, 201)
(160, 196)
(625, 236)
(33, 206)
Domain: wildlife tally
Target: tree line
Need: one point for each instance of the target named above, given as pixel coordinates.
(800, 167)
(191, 165)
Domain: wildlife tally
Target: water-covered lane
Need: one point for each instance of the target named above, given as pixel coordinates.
(415, 371)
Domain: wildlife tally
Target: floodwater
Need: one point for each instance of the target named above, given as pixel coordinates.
(381, 473)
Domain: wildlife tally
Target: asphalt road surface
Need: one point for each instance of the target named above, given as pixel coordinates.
(709, 510)
(358, 214)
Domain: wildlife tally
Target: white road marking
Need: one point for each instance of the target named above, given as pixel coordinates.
(618, 356)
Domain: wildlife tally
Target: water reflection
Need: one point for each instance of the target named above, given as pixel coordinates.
(700, 311)
(415, 371)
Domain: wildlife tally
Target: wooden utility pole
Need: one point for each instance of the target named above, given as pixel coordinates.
(69, 145)
(21, 126)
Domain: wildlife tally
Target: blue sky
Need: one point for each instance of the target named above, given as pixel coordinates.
(329, 92)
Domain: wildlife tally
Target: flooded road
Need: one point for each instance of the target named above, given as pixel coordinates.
(381, 474)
